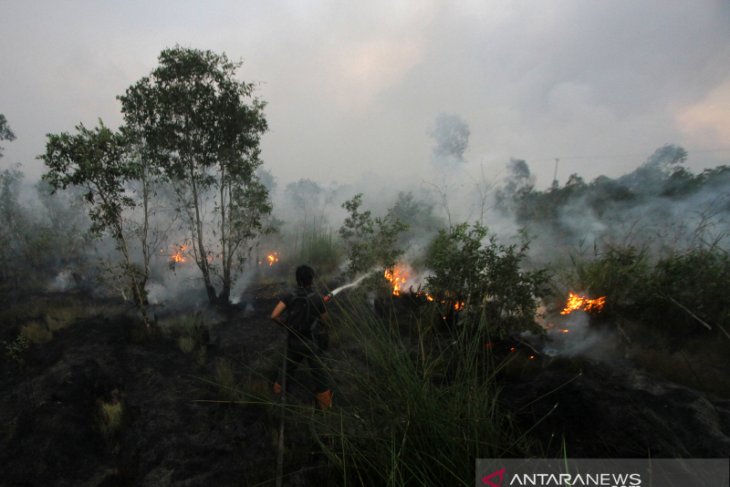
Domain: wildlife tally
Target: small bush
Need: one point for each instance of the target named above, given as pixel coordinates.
(111, 415)
(621, 274)
(474, 272)
(689, 289)
(186, 344)
(15, 350)
(36, 333)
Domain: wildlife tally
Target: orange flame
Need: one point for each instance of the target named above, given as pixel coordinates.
(272, 258)
(577, 302)
(459, 305)
(396, 277)
(179, 256)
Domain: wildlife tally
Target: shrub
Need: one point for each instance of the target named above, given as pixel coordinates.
(473, 271)
(619, 273)
(15, 349)
(36, 333)
(689, 291)
(111, 415)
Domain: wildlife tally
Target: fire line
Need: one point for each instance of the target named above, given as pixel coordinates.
(577, 302)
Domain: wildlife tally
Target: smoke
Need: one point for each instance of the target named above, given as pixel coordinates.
(660, 207)
(574, 336)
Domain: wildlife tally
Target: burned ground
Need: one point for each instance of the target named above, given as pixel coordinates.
(178, 420)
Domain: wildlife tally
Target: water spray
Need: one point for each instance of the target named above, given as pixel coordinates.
(354, 283)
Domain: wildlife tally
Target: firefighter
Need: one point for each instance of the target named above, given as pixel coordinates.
(306, 321)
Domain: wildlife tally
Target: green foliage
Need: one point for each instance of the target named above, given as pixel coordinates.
(471, 268)
(14, 229)
(681, 294)
(110, 418)
(404, 413)
(370, 241)
(191, 333)
(36, 332)
(97, 160)
(321, 251)
(16, 349)
(36, 242)
(103, 163)
(418, 217)
(202, 127)
(688, 287)
(621, 274)
(5, 132)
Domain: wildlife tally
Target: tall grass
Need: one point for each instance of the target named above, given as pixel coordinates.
(320, 249)
(412, 410)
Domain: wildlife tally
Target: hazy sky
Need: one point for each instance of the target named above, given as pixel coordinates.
(355, 87)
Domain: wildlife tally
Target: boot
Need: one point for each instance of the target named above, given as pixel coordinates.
(324, 399)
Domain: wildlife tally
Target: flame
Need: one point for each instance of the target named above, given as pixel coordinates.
(577, 302)
(459, 305)
(396, 277)
(179, 256)
(423, 294)
(564, 330)
(270, 259)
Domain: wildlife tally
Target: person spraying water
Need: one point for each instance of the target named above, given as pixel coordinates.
(306, 321)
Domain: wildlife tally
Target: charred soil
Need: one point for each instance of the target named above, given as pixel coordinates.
(96, 399)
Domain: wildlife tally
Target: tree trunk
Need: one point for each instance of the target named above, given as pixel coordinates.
(202, 258)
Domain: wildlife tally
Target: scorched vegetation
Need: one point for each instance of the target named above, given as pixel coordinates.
(139, 275)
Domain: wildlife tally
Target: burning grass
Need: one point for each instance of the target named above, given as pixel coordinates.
(577, 302)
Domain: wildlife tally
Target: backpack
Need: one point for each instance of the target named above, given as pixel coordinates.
(303, 319)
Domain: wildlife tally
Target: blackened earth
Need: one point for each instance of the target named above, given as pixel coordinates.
(180, 428)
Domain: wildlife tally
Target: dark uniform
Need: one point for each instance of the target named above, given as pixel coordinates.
(306, 339)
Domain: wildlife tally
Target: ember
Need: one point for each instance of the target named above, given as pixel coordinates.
(577, 302)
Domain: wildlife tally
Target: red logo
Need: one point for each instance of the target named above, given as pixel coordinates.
(494, 479)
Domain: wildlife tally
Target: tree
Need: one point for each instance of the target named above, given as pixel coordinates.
(370, 241)
(418, 216)
(308, 198)
(14, 217)
(5, 132)
(451, 135)
(474, 272)
(202, 127)
(102, 162)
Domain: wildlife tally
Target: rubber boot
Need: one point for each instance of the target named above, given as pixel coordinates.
(277, 388)
(324, 399)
